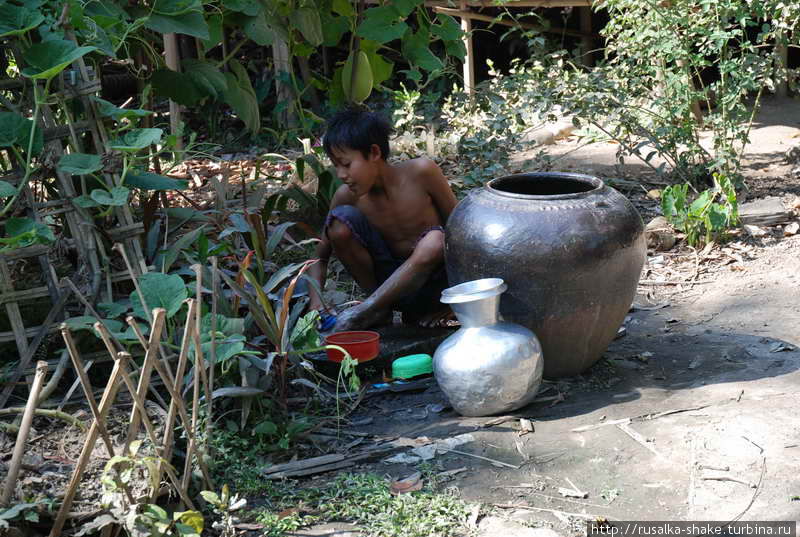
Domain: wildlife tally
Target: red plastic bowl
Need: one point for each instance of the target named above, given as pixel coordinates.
(362, 345)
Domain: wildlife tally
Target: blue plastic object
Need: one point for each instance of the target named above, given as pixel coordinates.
(326, 322)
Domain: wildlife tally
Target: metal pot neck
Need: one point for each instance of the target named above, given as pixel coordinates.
(478, 312)
(586, 185)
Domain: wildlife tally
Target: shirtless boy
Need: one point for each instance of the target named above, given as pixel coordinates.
(385, 225)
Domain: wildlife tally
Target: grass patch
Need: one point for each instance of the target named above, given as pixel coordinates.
(365, 500)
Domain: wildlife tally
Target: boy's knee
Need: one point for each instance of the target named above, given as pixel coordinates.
(339, 233)
(430, 249)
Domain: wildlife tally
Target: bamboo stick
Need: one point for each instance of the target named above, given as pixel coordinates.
(465, 14)
(177, 399)
(159, 317)
(24, 430)
(89, 392)
(110, 393)
(138, 401)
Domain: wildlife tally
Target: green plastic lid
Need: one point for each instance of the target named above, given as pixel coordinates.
(411, 366)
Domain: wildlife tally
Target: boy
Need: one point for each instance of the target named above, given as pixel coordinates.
(385, 225)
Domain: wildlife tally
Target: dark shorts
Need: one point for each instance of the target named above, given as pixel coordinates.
(423, 301)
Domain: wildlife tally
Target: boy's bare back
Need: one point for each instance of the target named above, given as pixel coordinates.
(413, 198)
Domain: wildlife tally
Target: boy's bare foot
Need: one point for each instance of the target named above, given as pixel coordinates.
(361, 318)
(443, 318)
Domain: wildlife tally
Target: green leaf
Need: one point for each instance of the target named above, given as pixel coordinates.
(112, 309)
(160, 291)
(152, 181)
(85, 202)
(226, 325)
(214, 32)
(307, 20)
(333, 28)
(275, 237)
(79, 163)
(23, 232)
(456, 49)
(16, 130)
(405, 7)
(7, 189)
(176, 86)
(381, 33)
(241, 97)
(248, 7)
(210, 497)
(415, 48)
(18, 20)
(381, 69)
(305, 335)
(136, 139)
(118, 197)
(266, 428)
(13, 128)
(192, 23)
(176, 7)
(258, 29)
(165, 259)
(108, 109)
(343, 7)
(447, 29)
(45, 60)
(205, 76)
(15, 510)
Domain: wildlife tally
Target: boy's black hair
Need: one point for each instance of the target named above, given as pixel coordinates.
(357, 128)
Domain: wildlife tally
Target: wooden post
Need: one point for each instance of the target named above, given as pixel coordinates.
(782, 87)
(282, 62)
(22, 437)
(173, 60)
(469, 58)
(587, 43)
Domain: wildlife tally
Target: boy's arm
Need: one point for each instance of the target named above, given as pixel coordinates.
(319, 271)
(438, 187)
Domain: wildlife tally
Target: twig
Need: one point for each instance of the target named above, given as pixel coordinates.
(487, 459)
(726, 478)
(200, 365)
(106, 401)
(625, 428)
(554, 498)
(545, 510)
(46, 413)
(24, 430)
(674, 282)
(755, 493)
(641, 417)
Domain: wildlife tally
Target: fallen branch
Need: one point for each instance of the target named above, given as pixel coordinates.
(545, 510)
(487, 459)
(726, 478)
(641, 417)
(638, 438)
(46, 413)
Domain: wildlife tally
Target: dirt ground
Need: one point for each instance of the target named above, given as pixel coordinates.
(707, 374)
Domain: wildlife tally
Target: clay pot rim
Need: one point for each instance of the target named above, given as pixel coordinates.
(578, 177)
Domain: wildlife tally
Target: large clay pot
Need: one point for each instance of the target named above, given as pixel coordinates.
(570, 249)
(488, 366)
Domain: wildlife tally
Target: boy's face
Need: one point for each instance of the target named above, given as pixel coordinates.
(358, 172)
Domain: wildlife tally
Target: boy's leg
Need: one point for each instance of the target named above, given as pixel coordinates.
(407, 280)
(363, 252)
(353, 255)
